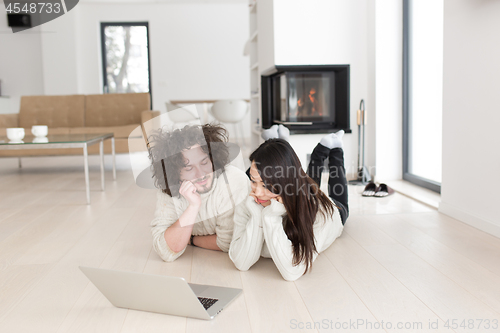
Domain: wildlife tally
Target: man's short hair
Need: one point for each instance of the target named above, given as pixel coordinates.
(165, 152)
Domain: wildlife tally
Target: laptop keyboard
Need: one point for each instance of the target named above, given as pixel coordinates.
(207, 302)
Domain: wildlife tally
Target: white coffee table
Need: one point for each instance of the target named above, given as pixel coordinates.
(58, 141)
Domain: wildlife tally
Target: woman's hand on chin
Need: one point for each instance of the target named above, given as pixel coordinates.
(254, 197)
(252, 205)
(275, 207)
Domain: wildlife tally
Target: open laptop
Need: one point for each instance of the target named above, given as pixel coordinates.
(161, 294)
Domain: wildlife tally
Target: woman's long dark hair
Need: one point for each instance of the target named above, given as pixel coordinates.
(282, 173)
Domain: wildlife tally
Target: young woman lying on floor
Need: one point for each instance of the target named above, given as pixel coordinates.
(287, 217)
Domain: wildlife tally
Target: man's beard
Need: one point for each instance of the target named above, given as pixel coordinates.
(206, 187)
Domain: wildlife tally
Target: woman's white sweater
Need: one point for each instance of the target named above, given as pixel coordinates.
(258, 231)
(215, 216)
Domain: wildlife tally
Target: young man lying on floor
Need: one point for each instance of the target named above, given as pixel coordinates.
(198, 189)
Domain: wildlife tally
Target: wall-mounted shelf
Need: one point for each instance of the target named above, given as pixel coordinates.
(252, 7)
(254, 36)
(253, 51)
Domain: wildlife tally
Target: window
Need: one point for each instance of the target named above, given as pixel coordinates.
(125, 57)
(422, 92)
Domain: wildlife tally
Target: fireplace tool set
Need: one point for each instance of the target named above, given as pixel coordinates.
(363, 174)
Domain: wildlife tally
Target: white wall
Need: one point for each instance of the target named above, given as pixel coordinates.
(196, 50)
(366, 34)
(389, 91)
(471, 158)
(20, 64)
(59, 55)
(328, 32)
(265, 24)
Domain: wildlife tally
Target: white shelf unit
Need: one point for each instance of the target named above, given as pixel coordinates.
(255, 112)
(254, 36)
(252, 6)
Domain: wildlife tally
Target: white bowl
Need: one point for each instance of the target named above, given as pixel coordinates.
(15, 133)
(40, 131)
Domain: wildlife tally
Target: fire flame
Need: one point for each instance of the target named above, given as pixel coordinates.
(312, 98)
(311, 95)
(314, 104)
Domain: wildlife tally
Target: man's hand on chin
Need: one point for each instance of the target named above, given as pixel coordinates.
(188, 191)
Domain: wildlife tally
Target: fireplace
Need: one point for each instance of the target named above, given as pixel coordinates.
(306, 99)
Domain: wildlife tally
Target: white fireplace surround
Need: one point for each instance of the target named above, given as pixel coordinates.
(367, 35)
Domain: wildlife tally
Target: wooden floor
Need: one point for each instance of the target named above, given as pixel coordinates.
(398, 262)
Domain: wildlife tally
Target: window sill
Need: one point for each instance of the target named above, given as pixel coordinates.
(420, 194)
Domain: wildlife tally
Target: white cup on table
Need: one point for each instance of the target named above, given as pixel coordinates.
(15, 133)
(40, 131)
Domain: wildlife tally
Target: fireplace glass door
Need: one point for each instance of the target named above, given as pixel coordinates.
(305, 97)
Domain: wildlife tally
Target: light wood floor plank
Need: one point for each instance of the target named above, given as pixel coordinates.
(55, 295)
(386, 297)
(14, 247)
(15, 200)
(394, 204)
(16, 281)
(476, 279)
(469, 241)
(59, 241)
(441, 294)
(397, 261)
(332, 303)
(272, 303)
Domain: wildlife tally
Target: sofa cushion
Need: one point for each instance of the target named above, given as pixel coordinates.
(115, 109)
(148, 115)
(58, 130)
(118, 131)
(9, 120)
(53, 111)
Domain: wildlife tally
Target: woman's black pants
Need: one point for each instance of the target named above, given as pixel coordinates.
(337, 182)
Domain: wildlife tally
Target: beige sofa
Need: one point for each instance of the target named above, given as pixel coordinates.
(80, 114)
